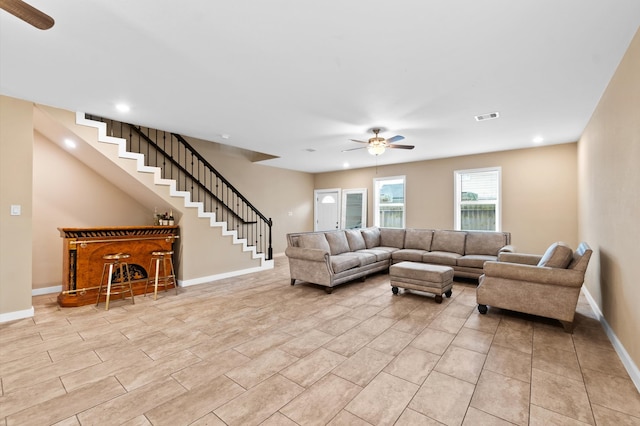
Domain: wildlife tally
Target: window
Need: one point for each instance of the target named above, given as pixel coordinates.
(388, 203)
(477, 199)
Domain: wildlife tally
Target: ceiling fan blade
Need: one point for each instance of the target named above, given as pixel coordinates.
(396, 138)
(27, 13)
(354, 149)
(401, 146)
(355, 140)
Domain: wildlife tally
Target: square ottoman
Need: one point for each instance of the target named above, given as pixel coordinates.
(434, 279)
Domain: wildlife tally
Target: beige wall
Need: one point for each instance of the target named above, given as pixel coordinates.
(16, 147)
(285, 196)
(69, 194)
(609, 191)
(539, 192)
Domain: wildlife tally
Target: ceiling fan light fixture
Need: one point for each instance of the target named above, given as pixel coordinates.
(376, 149)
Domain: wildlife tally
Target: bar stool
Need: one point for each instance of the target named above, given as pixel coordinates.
(161, 258)
(114, 261)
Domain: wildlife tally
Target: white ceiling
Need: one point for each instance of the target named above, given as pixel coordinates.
(283, 77)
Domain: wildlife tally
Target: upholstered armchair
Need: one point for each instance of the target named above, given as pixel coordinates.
(547, 286)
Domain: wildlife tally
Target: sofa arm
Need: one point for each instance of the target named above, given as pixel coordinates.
(536, 274)
(523, 258)
(315, 255)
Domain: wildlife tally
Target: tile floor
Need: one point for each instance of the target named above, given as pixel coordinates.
(254, 350)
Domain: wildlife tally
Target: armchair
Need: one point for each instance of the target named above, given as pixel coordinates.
(547, 286)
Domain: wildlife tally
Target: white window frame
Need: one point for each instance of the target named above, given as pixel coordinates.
(376, 198)
(457, 195)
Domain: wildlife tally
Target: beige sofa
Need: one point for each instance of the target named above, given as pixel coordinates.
(547, 286)
(330, 258)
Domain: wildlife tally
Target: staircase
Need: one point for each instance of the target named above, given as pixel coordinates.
(188, 176)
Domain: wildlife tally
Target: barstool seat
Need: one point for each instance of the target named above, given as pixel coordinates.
(123, 285)
(160, 259)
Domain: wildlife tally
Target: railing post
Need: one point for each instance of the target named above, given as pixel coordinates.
(270, 249)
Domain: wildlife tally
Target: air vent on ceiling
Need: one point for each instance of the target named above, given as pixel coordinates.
(310, 150)
(490, 116)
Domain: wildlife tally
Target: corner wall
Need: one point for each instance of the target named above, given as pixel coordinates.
(539, 192)
(16, 149)
(609, 200)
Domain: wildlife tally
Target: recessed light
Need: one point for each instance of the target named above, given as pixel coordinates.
(538, 139)
(225, 136)
(123, 107)
(345, 165)
(69, 143)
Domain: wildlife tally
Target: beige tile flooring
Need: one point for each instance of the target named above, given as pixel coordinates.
(254, 350)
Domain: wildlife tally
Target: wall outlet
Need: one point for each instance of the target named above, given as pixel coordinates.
(290, 213)
(16, 210)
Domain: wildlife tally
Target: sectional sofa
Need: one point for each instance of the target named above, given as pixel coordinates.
(330, 258)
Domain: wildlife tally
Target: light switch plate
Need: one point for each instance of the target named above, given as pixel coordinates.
(16, 210)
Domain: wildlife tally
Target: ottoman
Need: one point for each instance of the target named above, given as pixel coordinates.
(434, 279)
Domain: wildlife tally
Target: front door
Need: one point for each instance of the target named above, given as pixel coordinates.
(327, 209)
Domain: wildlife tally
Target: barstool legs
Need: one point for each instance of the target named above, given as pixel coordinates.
(163, 257)
(123, 267)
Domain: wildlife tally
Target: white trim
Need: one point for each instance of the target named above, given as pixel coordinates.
(317, 193)
(457, 199)
(376, 198)
(628, 363)
(46, 290)
(12, 316)
(268, 264)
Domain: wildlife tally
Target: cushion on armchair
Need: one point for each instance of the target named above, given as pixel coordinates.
(558, 255)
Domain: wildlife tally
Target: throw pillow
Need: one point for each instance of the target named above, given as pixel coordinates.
(355, 239)
(558, 255)
(337, 242)
(314, 241)
(371, 237)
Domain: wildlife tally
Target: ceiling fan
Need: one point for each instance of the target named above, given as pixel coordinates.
(377, 145)
(27, 13)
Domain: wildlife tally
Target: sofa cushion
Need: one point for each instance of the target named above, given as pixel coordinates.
(344, 262)
(371, 237)
(337, 242)
(363, 257)
(475, 260)
(419, 239)
(355, 239)
(558, 255)
(391, 237)
(487, 243)
(441, 258)
(411, 255)
(314, 241)
(380, 254)
(449, 241)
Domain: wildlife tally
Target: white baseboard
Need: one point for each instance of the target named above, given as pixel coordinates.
(195, 281)
(628, 363)
(46, 290)
(12, 316)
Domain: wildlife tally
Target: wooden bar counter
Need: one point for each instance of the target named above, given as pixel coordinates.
(82, 253)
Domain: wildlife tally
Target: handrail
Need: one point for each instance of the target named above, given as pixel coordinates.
(222, 178)
(179, 161)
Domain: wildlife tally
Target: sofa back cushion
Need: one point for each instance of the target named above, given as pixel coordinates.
(449, 241)
(355, 239)
(392, 237)
(558, 255)
(418, 239)
(485, 243)
(371, 237)
(337, 242)
(315, 240)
